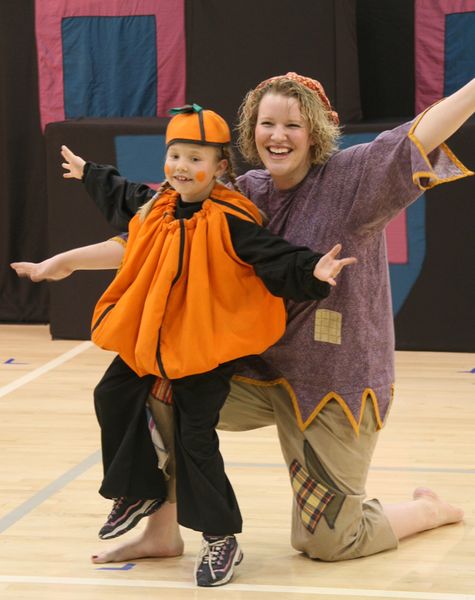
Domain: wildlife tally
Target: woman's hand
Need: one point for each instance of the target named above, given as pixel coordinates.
(328, 267)
(74, 164)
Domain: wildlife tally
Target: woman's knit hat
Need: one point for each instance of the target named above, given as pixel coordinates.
(311, 84)
(193, 124)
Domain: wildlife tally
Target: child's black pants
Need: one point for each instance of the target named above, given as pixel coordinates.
(128, 457)
(205, 498)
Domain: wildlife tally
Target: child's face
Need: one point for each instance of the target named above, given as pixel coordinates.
(191, 169)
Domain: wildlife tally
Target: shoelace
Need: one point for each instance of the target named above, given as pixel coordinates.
(115, 507)
(210, 554)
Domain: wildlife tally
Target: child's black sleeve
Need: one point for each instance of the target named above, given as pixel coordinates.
(285, 269)
(116, 197)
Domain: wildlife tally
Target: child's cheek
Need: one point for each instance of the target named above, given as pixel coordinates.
(200, 176)
(167, 170)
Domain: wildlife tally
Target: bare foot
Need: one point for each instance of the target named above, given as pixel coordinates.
(439, 512)
(140, 547)
(161, 538)
(425, 511)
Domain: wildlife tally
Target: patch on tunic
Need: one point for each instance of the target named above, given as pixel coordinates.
(162, 390)
(312, 497)
(327, 326)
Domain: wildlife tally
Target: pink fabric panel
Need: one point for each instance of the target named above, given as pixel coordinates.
(430, 47)
(171, 54)
(396, 240)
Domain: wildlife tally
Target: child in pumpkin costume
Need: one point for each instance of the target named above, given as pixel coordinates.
(198, 289)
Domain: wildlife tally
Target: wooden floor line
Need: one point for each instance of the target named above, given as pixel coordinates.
(14, 385)
(34, 501)
(424, 470)
(251, 465)
(237, 587)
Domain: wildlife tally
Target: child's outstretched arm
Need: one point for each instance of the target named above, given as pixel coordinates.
(328, 267)
(105, 255)
(115, 196)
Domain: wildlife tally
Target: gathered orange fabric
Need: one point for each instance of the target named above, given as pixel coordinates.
(183, 301)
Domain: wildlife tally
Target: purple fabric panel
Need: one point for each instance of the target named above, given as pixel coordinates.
(171, 53)
(430, 47)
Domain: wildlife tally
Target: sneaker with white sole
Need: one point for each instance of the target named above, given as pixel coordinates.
(216, 560)
(125, 514)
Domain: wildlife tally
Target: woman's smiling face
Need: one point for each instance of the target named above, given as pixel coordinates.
(283, 139)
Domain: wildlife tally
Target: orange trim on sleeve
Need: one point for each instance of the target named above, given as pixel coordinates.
(430, 174)
(118, 239)
(123, 243)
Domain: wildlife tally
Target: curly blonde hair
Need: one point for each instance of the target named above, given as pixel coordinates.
(324, 132)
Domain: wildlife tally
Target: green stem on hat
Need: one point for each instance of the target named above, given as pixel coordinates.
(188, 108)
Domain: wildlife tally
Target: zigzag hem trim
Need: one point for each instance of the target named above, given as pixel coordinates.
(367, 393)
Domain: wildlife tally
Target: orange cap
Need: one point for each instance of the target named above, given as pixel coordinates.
(193, 124)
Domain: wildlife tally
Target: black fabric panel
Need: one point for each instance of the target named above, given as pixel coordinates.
(439, 313)
(232, 46)
(22, 166)
(386, 58)
(75, 221)
(347, 79)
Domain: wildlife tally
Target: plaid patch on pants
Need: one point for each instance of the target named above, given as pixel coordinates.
(312, 497)
(162, 390)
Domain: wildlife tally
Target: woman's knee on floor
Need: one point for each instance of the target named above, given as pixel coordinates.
(353, 530)
(328, 522)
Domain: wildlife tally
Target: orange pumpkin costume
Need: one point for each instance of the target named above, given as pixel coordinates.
(184, 302)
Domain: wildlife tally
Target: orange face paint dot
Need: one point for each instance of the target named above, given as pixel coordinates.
(200, 175)
(167, 170)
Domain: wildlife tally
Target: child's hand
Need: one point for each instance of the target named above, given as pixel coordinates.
(328, 267)
(50, 270)
(74, 164)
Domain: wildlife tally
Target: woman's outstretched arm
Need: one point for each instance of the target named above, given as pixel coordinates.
(444, 118)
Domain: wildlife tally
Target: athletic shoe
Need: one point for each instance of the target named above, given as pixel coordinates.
(125, 514)
(216, 560)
